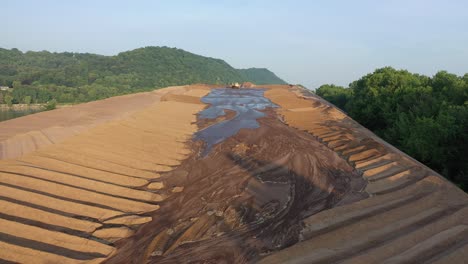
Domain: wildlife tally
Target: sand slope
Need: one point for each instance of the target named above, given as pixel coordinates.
(122, 181)
(73, 181)
(413, 214)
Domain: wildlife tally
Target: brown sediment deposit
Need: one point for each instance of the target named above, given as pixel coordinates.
(291, 179)
(247, 197)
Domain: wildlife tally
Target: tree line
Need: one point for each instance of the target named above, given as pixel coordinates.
(39, 77)
(426, 117)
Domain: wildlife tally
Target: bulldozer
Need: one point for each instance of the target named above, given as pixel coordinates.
(235, 85)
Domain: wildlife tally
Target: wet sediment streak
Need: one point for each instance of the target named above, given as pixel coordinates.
(129, 186)
(243, 200)
(246, 103)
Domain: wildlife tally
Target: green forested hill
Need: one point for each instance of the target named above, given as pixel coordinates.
(426, 117)
(38, 77)
(261, 76)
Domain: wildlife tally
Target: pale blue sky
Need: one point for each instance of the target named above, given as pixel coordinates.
(308, 42)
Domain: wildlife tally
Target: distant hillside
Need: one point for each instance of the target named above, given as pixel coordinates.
(38, 77)
(261, 76)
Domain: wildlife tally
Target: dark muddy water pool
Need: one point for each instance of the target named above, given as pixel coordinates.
(245, 102)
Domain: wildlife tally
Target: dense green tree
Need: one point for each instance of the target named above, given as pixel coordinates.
(50, 105)
(8, 100)
(16, 84)
(425, 117)
(338, 95)
(27, 99)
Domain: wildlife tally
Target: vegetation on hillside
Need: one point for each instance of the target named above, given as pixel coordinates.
(425, 117)
(39, 77)
(260, 76)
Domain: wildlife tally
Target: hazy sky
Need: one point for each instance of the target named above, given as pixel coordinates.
(308, 42)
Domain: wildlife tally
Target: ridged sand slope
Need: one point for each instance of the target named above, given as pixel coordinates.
(120, 180)
(74, 180)
(413, 214)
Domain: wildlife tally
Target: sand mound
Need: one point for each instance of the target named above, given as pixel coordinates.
(67, 199)
(123, 180)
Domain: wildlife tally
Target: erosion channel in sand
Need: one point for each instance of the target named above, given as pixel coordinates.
(122, 181)
(245, 103)
(248, 195)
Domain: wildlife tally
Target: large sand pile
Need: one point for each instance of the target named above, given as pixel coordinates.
(247, 196)
(123, 181)
(92, 183)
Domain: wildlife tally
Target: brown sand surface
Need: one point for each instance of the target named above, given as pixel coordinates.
(23, 135)
(67, 200)
(413, 214)
(246, 198)
(126, 184)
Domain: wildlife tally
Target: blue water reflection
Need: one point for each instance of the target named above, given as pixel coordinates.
(245, 102)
